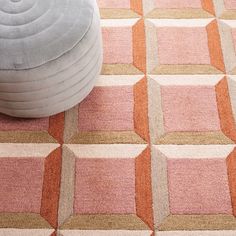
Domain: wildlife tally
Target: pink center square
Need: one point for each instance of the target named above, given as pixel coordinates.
(8, 123)
(198, 186)
(190, 108)
(117, 45)
(21, 181)
(178, 4)
(181, 46)
(230, 4)
(114, 4)
(105, 186)
(106, 109)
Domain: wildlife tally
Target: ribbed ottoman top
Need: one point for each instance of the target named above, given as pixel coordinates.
(34, 32)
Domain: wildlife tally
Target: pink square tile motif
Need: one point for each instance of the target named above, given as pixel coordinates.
(107, 108)
(113, 112)
(191, 109)
(21, 183)
(174, 47)
(192, 184)
(180, 46)
(187, 108)
(124, 46)
(105, 186)
(208, 195)
(118, 46)
(28, 187)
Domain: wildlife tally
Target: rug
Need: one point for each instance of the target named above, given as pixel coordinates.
(151, 151)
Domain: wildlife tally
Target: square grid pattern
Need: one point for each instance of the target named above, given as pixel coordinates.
(151, 151)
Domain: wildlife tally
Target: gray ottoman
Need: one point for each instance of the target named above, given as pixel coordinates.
(50, 55)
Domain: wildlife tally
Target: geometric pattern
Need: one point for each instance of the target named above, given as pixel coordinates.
(225, 9)
(181, 104)
(181, 205)
(92, 207)
(44, 130)
(151, 151)
(122, 52)
(192, 53)
(121, 9)
(98, 119)
(29, 181)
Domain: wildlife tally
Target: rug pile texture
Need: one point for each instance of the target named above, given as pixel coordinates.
(151, 151)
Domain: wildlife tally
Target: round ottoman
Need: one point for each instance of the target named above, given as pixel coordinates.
(50, 55)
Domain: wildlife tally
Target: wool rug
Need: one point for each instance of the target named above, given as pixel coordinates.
(151, 151)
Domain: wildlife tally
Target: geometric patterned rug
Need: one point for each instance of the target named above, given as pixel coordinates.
(151, 151)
